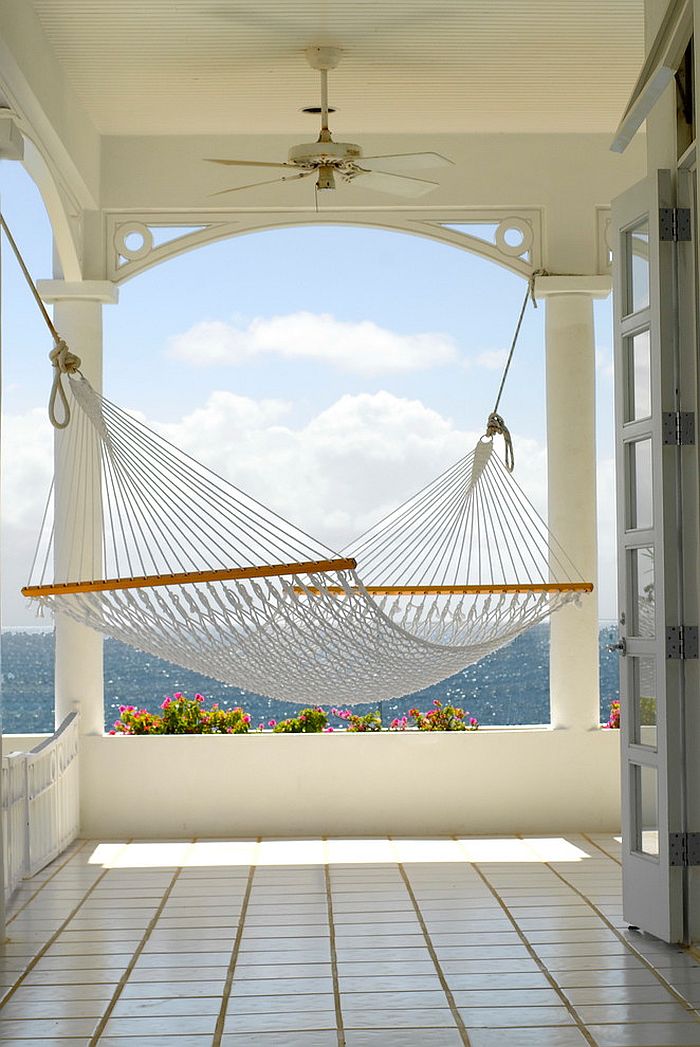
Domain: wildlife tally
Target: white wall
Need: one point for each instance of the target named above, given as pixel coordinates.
(497, 781)
(21, 743)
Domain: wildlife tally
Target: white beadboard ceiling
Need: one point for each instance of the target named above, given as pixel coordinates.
(150, 67)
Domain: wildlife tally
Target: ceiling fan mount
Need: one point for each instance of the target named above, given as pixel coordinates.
(328, 159)
(323, 58)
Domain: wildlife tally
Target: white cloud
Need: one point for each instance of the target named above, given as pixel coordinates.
(27, 465)
(26, 478)
(492, 359)
(607, 539)
(344, 469)
(363, 347)
(604, 362)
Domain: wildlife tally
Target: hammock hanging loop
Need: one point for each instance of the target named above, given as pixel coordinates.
(63, 362)
(496, 426)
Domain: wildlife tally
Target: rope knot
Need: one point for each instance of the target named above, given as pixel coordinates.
(63, 359)
(63, 362)
(495, 426)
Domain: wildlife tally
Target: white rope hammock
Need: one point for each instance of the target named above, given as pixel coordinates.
(177, 562)
(141, 542)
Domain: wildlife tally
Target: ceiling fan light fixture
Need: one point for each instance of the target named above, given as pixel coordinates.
(326, 178)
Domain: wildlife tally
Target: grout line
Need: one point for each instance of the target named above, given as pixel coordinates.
(134, 958)
(540, 963)
(48, 880)
(601, 849)
(625, 941)
(228, 984)
(334, 958)
(459, 1021)
(54, 937)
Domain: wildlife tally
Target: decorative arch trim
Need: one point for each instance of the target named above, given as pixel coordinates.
(510, 238)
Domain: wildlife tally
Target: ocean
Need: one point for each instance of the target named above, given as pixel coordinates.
(510, 686)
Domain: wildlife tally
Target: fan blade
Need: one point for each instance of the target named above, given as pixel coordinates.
(406, 161)
(247, 163)
(271, 181)
(397, 185)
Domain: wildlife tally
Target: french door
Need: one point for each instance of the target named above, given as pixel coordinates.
(654, 418)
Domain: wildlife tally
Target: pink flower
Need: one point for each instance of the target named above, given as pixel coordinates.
(164, 704)
(177, 695)
(111, 732)
(328, 730)
(261, 726)
(246, 718)
(272, 723)
(436, 701)
(199, 697)
(122, 708)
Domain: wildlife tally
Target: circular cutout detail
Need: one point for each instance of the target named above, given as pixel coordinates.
(133, 240)
(514, 237)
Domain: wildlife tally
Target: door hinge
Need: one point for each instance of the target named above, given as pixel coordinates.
(674, 224)
(684, 849)
(678, 428)
(682, 641)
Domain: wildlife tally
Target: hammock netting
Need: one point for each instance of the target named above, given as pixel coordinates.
(146, 545)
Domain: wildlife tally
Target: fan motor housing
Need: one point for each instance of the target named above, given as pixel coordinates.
(324, 154)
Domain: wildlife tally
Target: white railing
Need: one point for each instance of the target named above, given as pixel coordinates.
(40, 803)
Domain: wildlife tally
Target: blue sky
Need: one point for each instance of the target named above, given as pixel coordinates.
(372, 357)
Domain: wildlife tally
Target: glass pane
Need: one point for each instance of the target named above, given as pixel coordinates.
(640, 507)
(638, 268)
(642, 593)
(645, 810)
(638, 377)
(644, 691)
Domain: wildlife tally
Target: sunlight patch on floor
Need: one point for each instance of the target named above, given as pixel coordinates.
(315, 852)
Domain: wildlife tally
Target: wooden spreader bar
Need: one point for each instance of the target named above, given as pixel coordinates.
(459, 590)
(149, 581)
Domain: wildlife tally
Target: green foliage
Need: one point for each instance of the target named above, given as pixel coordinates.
(368, 722)
(309, 721)
(647, 711)
(443, 718)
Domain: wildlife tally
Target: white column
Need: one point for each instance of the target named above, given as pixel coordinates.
(571, 480)
(79, 681)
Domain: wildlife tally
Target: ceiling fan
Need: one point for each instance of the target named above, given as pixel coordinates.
(344, 160)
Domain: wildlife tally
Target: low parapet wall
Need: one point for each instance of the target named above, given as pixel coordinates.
(491, 781)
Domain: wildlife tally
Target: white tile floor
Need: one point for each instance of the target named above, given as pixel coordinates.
(369, 943)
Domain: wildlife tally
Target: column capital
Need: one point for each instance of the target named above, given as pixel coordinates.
(78, 290)
(11, 140)
(595, 286)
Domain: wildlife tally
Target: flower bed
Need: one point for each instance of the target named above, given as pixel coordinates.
(614, 718)
(183, 715)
